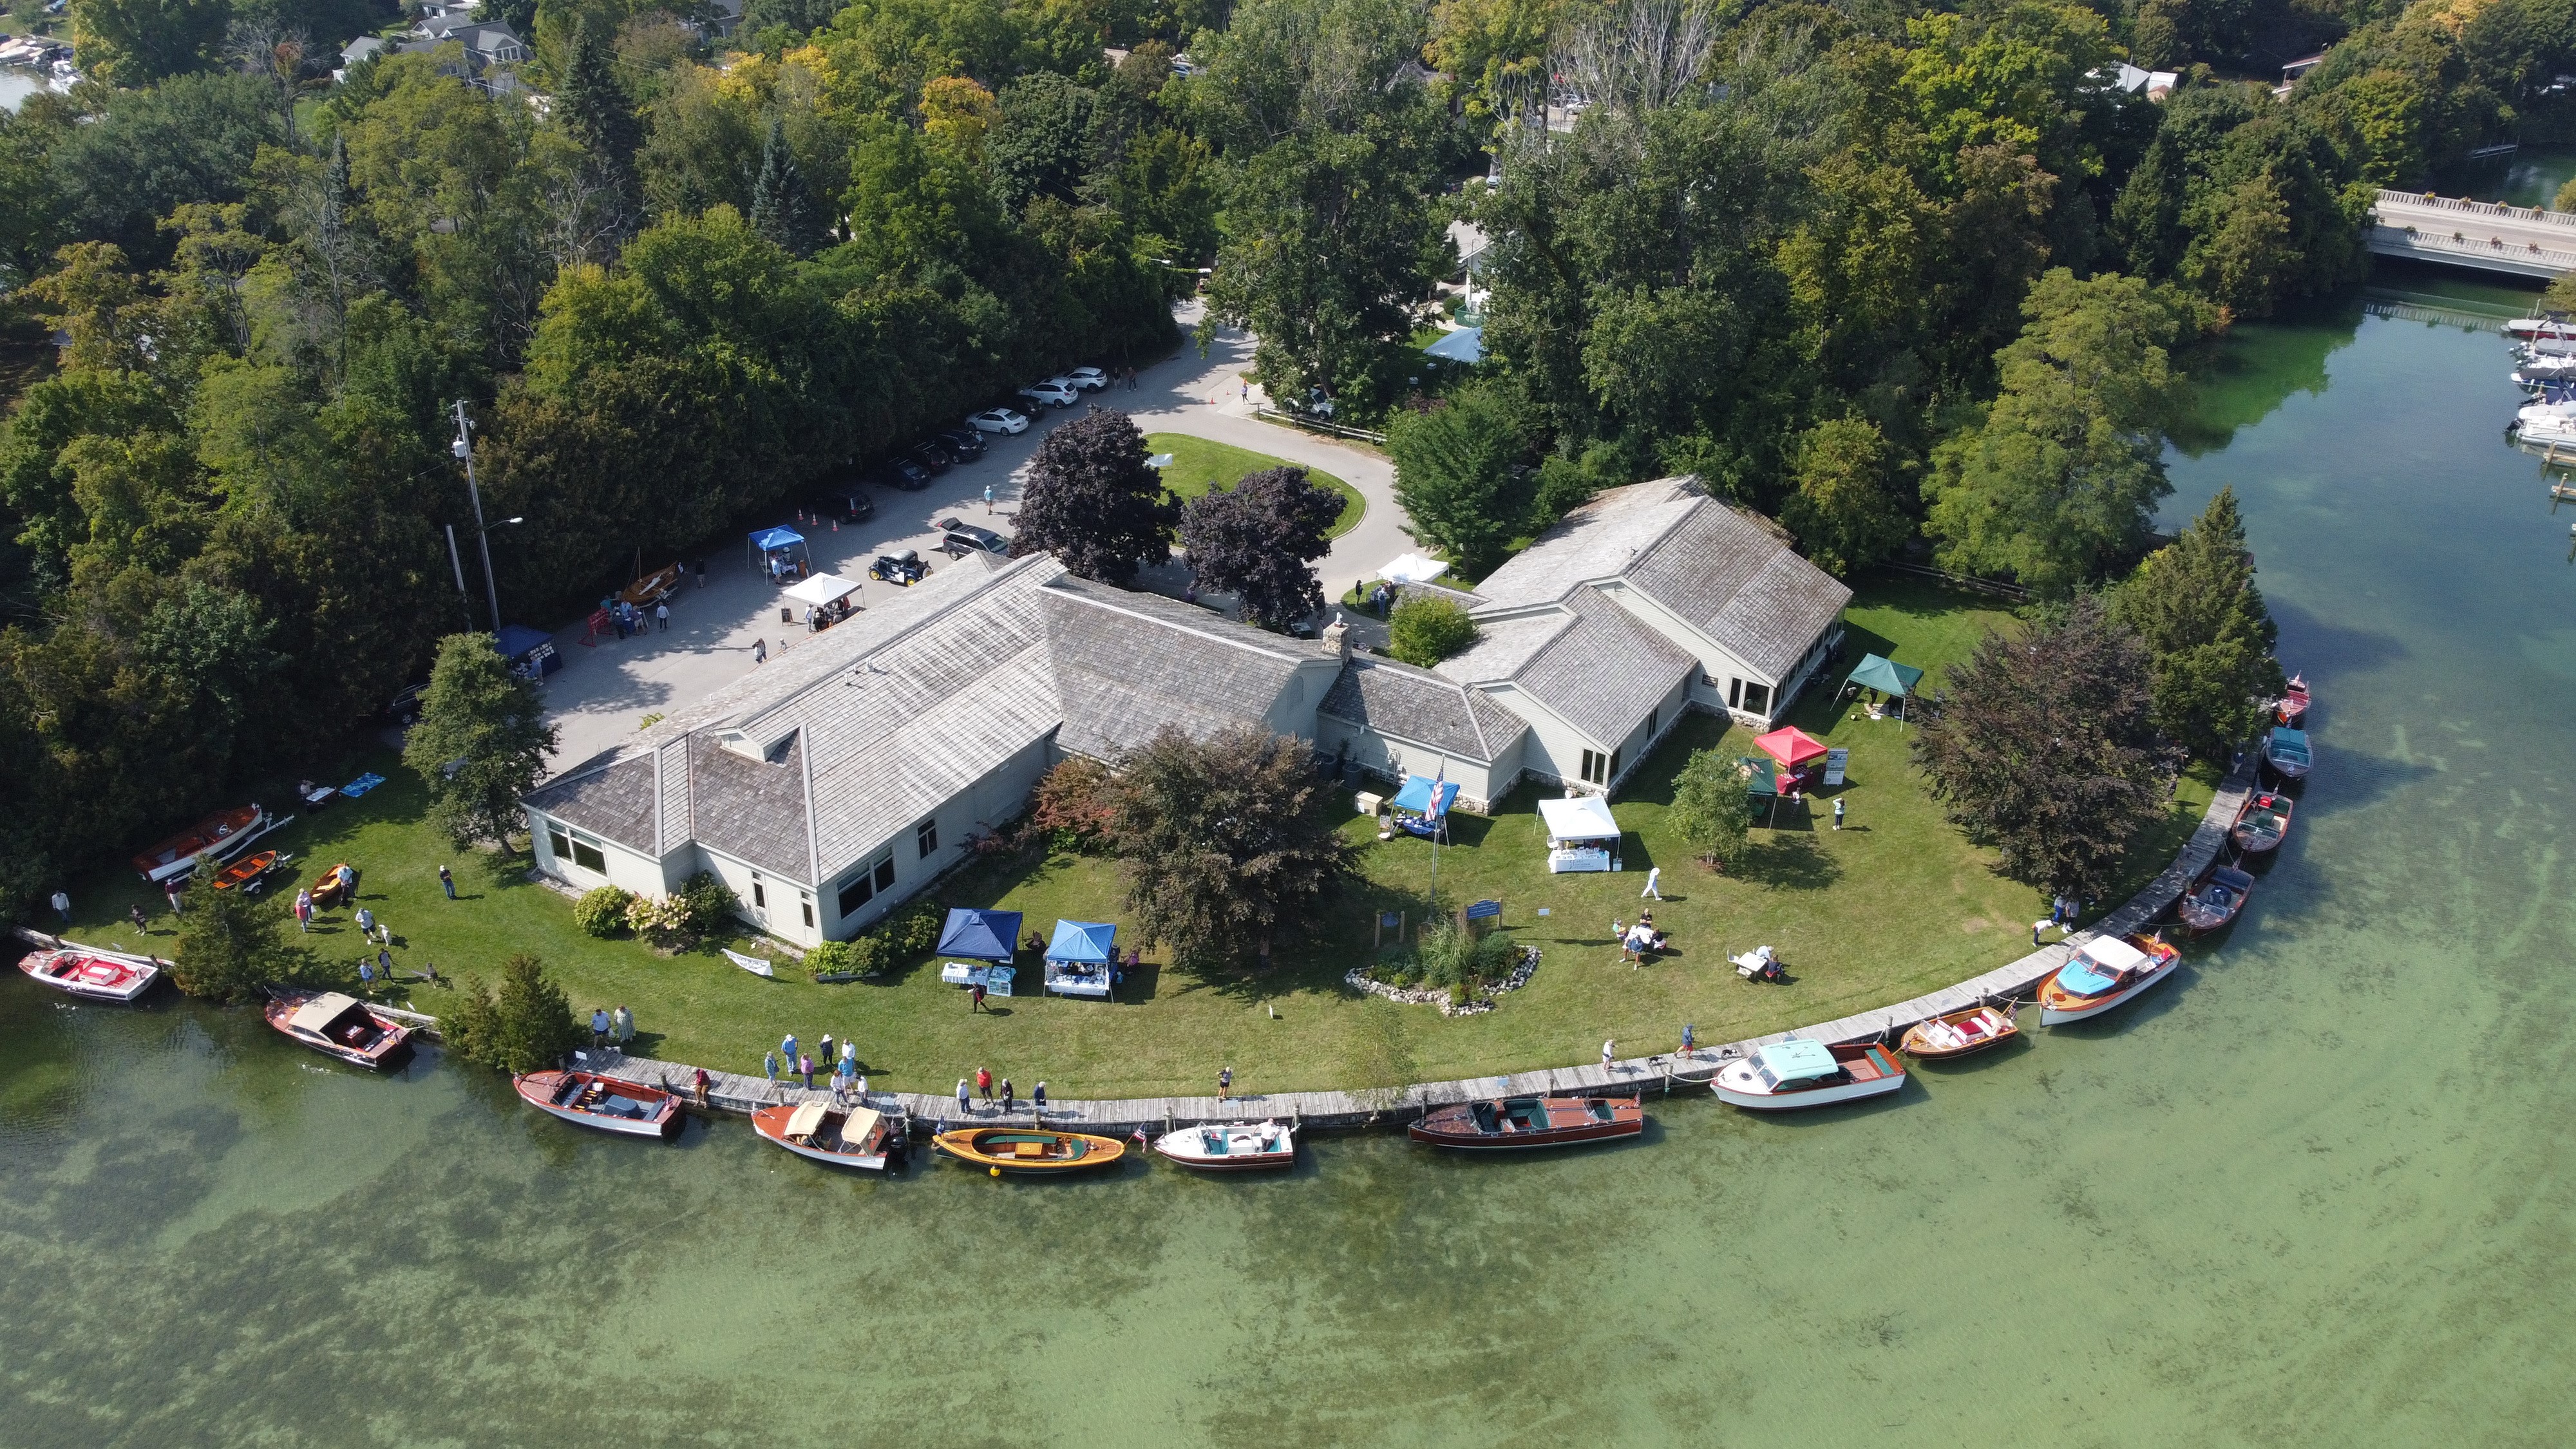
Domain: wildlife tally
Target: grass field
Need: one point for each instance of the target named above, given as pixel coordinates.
(1895, 904)
(1199, 464)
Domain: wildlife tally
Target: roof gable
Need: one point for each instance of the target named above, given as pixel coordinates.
(1128, 664)
(1397, 699)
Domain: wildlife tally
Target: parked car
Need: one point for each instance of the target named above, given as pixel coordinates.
(405, 709)
(848, 501)
(930, 456)
(905, 568)
(903, 473)
(1050, 394)
(1089, 379)
(998, 420)
(964, 445)
(957, 537)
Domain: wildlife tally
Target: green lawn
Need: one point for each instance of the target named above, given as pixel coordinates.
(1199, 464)
(1892, 906)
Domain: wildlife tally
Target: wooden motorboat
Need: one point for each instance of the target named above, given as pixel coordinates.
(2286, 751)
(821, 1132)
(2292, 707)
(2214, 899)
(1230, 1146)
(1959, 1033)
(1029, 1150)
(218, 835)
(2261, 822)
(1787, 1075)
(248, 871)
(2105, 972)
(97, 975)
(341, 1026)
(1513, 1123)
(325, 889)
(629, 1109)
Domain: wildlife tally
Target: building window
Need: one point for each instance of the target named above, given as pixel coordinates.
(561, 842)
(759, 893)
(1597, 767)
(1734, 693)
(1757, 698)
(575, 847)
(1652, 716)
(874, 877)
(926, 835)
(808, 903)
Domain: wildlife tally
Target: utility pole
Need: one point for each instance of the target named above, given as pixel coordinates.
(458, 563)
(463, 448)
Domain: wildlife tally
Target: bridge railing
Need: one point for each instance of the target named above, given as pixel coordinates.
(2494, 249)
(2478, 208)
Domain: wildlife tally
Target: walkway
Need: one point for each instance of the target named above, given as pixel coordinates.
(2523, 241)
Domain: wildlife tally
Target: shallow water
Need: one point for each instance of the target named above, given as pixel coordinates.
(2317, 1191)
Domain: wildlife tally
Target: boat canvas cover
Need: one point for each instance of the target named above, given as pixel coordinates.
(1796, 1058)
(854, 1132)
(807, 1119)
(2098, 967)
(1585, 817)
(320, 1012)
(2289, 742)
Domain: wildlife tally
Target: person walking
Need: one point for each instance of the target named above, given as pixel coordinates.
(1689, 1035)
(975, 998)
(1224, 1082)
(170, 893)
(62, 904)
(760, 651)
(1007, 1100)
(702, 573)
(662, 617)
(1037, 1098)
(447, 882)
(135, 914)
(366, 921)
(988, 498)
(1838, 812)
(385, 963)
(984, 1083)
(598, 1027)
(1654, 879)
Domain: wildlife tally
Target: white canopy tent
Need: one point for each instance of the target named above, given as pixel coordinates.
(1412, 568)
(821, 589)
(1581, 833)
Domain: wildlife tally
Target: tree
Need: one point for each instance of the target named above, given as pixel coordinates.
(596, 111)
(230, 942)
(2561, 296)
(782, 209)
(1224, 843)
(1257, 539)
(1711, 809)
(132, 43)
(1043, 145)
(1424, 629)
(1093, 503)
(1454, 474)
(529, 1026)
(487, 726)
(1844, 511)
(2205, 627)
(2044, 746)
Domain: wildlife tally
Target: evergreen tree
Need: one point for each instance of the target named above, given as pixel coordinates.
(481, 742)
(1454, 475)
(528, 1026)
(782, 209)
(596, 110)
(230, 942)
(2207, 632)
(1093, 503)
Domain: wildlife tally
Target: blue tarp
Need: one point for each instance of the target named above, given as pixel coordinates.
(781, 537)
(517, 641)
(1467, 344)
(980, 935)
(1083, 942)
(1417, 796)
(362, 784)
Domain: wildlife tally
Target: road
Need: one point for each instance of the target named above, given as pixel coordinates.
(608, 688)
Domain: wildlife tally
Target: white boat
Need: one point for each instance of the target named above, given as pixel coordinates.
(2542, 431)
(1787, 1075)
(2540, 327)
(97, 975)
(1230, 1146)
(820, 1132)
(2104, 973)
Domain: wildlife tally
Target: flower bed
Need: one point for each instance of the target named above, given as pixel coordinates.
(1359, 980)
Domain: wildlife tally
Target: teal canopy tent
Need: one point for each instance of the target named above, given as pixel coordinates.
(1886, 676)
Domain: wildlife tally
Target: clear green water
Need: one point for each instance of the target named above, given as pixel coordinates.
(2317, 1192)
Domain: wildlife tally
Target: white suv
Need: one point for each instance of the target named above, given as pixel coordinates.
(1089, 379)
(1045, 394)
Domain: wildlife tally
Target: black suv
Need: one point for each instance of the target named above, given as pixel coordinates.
(847, 501)
(931, 456)
(963, 444)
(903, 473)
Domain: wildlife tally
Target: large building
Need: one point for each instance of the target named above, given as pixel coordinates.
(845, 774)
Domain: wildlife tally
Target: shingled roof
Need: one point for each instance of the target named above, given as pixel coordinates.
(1128, 664)
(1423, 707)
(613, 800)
(1605, 671)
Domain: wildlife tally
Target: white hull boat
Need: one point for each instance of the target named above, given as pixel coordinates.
(1788, 1075)
(835, 1136)
(1230, 1147)
(2106, 974)
(93, 975)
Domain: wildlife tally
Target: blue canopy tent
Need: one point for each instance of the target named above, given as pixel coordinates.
(1426, 798)
(529, 651)
(773, 542)
(1467, 345)
(1886, 676)
(980, 936)
(1082, 958)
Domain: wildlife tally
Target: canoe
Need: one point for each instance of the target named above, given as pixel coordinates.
(1514, 1123)
(325, 889)
(820, 1132)
(2261, 822)
(1230, 1146)
(2286, 751)
(94, 975)
(246, 871)
(341, 1026)
(1958, 1034)
(1024, 1150)
(2214, 899)
(1788, 1075)
(2293, 706)
(2106, 972)
(587, 1099)
(218, 835)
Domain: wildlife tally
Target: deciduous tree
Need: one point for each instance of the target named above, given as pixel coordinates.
(1092, 502)
(481, 742)
(1711, 810)
(1844, 513)
(1224, 843)
(1424, 629)
(1455, 474)
(1258, 540)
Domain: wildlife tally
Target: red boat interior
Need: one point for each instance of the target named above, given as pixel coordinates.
(89, 970)
(599, 1098)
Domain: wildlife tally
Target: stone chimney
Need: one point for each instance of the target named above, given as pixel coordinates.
(1337, 637)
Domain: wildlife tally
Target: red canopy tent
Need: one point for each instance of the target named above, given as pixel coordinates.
(1791, 746)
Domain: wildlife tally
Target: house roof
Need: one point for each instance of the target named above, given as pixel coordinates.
(1607, 671)
(1127, 664)
(1595, 542)
(614, 800)
(1423, 707)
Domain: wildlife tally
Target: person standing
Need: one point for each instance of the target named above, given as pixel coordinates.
(1224, 1082)
(859, 1087)
(965, 1104)
(825, 1047)
(348, 876)
(385, 963)
(1654, 879)
(1037, 1098)
(1619, 933)
(598, 1027)
(447, 882)
(304, 910)
(760, 651)
(62, 904)
(769, 1064)
(1607, 1051)
(703, 1082)
(170, 893)
(1689, 1043)
(135, 914)
(662, 617)
(805, 1067)
(622, 1023)
(1007, 1099)
(1838, 812)
(984, 1083)
(787, 1050)
(702, 573)
(850, 1055)
(975, 998)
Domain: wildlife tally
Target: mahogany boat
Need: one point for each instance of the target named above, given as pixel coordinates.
(821, 1132)
(2214, 899)
(2292, 707)
(341, 1026)
(1787, 1075)
(218, 835)
(96, 975)
(2105, 972)
(1028, 1151)
(1512, 1123)
(1958, 1034)
(247, 871)
(325, 889)
(587, 1099)
(1230, 1146)
(2286, 751)
(2261, 822)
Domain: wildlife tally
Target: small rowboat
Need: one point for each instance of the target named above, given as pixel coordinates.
(821, 1132)
(587, 1099)
(1787, 1075)
(247, 871)
(2105, 972)
(1958, 1034)
(97, 975)
(2286, 751)
(2293, 706)
(325, 889)
(1023, 1150)
(341, 1026)
(1514, 1123)
(218, 835)
(2261, 822)
(2214, 899)
(1230, 1146)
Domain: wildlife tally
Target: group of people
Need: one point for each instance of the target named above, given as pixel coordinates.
(630, 619)
(1008, 1100)
(611, 1028)
(2062, 911)
(848, 1084)
(1635, 941)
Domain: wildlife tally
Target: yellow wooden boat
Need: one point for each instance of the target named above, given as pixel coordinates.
(1029, 1150)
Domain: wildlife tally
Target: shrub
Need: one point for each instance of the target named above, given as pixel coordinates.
(602, 912)
(660, 921)
(707, 905)
(1426, 628)
(1073, 806)
(842, 958)
(528, 1026)
(912, 931)
(1448, 956)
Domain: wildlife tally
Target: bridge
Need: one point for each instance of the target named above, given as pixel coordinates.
(2524, 241)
